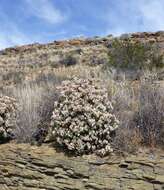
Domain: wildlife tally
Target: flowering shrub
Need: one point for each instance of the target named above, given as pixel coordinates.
(8, 109)
(82, 120)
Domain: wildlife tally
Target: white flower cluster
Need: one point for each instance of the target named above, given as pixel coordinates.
(82, 120)
(8, 107)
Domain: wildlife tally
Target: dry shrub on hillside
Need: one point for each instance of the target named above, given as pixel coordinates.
(69, 60)
(150, 116)
(29, 98)
(124, 99)
(36, 106)
(98, 59)
(140, 110)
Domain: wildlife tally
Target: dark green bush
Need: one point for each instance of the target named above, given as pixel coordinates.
(69, 60)
(134, 55)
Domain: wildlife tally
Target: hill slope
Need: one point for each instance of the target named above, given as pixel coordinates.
(24, 60)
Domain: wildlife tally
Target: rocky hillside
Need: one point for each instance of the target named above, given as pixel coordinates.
(50, 48)
(24, 59)
(36, 71)
(32, 168)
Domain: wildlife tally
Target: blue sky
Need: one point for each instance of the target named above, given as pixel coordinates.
(29, 21)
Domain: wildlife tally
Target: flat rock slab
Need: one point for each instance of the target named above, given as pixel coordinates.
(25, 167)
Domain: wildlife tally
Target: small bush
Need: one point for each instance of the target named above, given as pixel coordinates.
(98, 59)
(69, 60)
(82, 120)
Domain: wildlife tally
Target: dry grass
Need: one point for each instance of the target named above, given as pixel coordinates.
(140, 108)
(77, 70)
(139, 105)
(36, 101)
(28, 116)
(150, 116)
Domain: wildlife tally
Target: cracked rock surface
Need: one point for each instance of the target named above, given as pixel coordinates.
(25, 167)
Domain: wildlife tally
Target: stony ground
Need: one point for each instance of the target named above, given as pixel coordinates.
(25, 167)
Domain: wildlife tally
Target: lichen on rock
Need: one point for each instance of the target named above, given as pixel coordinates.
(82, 120)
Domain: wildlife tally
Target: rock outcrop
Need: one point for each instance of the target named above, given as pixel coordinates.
(25, 167)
